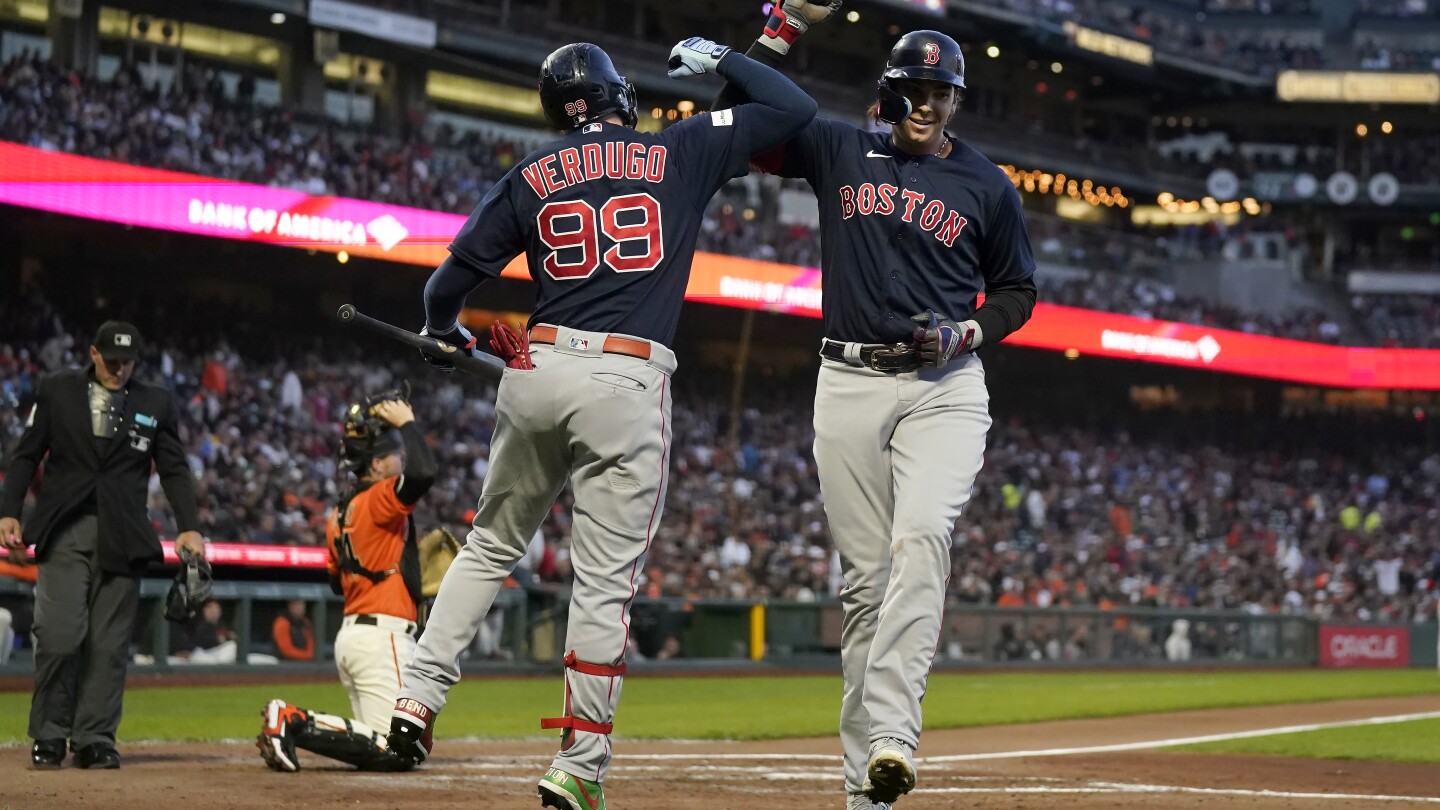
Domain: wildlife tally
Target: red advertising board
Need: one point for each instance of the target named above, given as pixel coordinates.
(1351, 645)
(252, 554)
(206, 206)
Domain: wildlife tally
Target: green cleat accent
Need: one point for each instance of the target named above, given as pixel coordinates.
(564, 791)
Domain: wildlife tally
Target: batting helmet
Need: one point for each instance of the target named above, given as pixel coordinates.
(366, 437)
(579, 83)
(928, 55)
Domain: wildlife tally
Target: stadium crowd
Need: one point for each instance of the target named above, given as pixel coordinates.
(1259, 519)
(194, 126)
(1146, 298)
(1259, 51)
(1400, 320)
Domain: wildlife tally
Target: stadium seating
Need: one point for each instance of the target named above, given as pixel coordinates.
(1263, 520)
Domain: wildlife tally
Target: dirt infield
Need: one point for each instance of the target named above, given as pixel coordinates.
(1006, 767)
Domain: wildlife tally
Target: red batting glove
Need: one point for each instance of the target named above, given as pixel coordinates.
(513, 348)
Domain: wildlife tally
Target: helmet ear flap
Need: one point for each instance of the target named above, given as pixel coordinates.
(893, 107)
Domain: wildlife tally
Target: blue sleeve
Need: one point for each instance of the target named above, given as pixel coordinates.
(490, 238)
(717, 146)
(807, 156)
(1006, 258)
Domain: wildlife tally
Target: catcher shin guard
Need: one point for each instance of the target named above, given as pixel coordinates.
(412, 728)
(351, 742)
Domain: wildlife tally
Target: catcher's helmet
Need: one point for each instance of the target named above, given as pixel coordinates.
(927, 55)
(579, 83)
(366, 437)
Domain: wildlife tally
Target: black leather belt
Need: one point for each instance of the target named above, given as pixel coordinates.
(366, 618)
(887, 358)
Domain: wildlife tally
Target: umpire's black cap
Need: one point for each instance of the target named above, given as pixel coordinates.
(117, 341)
(927, 55)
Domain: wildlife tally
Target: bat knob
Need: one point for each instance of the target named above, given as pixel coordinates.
(346, 313)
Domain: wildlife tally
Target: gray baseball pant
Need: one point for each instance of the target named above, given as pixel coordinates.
(603, 421)
(897, 457)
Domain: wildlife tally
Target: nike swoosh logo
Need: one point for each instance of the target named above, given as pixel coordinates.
(873, 153)
(585, 794)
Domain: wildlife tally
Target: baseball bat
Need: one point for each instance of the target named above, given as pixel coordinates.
(483, 366)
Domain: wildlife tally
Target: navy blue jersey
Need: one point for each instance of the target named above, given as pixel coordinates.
(901, 234)
(608, 216)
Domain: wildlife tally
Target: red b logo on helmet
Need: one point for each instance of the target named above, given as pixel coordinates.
(932, 53)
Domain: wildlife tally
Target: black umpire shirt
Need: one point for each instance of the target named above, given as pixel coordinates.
(110, 478)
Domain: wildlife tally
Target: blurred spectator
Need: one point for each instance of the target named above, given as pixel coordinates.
(669, 649)
(292, 633)
(1009, 647)
(16, 610)
(206, 640)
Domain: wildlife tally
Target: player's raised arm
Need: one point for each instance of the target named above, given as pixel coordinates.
(788, 21)
(486, 243)
(777, 108)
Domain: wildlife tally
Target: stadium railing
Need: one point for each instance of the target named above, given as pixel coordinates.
(723, 632)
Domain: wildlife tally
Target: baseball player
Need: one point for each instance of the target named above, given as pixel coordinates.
(375, 566)
(607, 218)
(914, 224)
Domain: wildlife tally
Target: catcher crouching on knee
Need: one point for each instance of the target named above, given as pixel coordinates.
(375, 563)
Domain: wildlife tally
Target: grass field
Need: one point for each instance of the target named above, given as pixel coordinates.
(1415, 741)
(758, 707)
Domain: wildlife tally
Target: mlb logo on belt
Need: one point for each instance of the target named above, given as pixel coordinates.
(579, 343)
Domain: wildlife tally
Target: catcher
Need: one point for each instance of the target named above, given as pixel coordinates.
(375, 563)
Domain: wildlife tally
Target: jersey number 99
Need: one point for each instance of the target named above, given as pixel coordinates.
(574, 226)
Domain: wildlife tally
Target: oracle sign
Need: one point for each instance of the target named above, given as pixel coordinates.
(1356, 646)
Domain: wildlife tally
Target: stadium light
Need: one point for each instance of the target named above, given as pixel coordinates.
(853, 16)
(1056, 67)
(1386, 127)
(993, 52)
(685, 105)
(278, 18)
(342, 257)
(1362, 130)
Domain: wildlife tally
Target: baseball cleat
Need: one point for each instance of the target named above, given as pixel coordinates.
(412, 730)
(564, 791)
(277, 740)
(859, 801)
(891, 773)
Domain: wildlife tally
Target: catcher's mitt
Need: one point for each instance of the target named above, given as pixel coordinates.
(437, 550)
(192, 588)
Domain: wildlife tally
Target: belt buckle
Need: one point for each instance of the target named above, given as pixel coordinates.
(894, 351)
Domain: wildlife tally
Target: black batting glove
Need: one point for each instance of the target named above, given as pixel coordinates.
(940, 340)
(456, 336)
